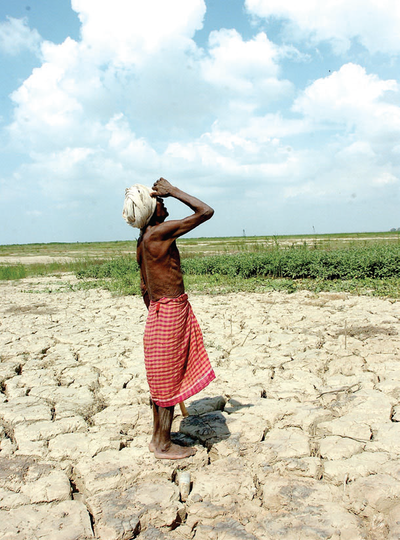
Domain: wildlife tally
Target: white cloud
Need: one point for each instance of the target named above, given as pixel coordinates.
(16, 36)
(144, 66)
(79, 172)
(374, 24)
(360, 157)
(234, 160)
(274, 125)
(357, 101)
(126, 32)
(48, 111)
(357, 149)
(386, 178)
(244, 77)
(136, 97)
(92, 93)
(249, 69)
(239, 64)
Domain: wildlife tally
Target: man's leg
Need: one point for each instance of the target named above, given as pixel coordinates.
(161, 443)
(156, 425)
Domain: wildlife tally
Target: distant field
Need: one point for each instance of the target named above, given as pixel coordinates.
(68, 252)
(363, 263)
(65, 251)
(226, 245)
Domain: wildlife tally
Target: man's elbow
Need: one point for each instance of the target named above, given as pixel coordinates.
(208, 213)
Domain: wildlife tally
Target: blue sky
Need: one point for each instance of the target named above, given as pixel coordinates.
(282, 115)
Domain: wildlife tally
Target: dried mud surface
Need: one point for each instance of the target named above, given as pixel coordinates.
(298, 437)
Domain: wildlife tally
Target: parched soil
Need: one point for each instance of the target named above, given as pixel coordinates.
(297, 438)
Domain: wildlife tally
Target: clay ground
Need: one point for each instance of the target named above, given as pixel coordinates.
(298, 437)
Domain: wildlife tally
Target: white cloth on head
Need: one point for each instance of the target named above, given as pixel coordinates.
(139, 206)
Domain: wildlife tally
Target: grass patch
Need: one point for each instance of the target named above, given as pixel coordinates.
(303, 262)
(358, 264)
(20, 271)
(16, 271)
(359, 270)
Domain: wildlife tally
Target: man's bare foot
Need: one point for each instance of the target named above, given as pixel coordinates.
(152, 445)
(174, 451)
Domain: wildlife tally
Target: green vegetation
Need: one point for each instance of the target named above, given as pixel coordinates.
(361, 264)
(20, 271)
(120, 276)
(303, 262)
(363, 270)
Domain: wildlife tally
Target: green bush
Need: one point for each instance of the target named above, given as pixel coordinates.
(360, 269)
(120, 267)
(17, 271)
(293, 263)
(301, 263)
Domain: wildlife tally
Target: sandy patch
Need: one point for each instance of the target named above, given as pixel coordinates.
(32, 259)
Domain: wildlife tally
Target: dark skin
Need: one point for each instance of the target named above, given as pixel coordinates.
(161, 276)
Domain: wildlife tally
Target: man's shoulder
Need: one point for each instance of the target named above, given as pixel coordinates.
(157, 233)
(155, 244)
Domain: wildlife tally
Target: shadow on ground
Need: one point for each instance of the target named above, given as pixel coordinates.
(206, 423)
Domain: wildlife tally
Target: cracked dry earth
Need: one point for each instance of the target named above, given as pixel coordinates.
(298, 437)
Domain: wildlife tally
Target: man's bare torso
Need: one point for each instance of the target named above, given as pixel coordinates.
(160, 266)
(157, 253)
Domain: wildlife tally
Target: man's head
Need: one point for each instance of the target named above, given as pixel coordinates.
(139, 206)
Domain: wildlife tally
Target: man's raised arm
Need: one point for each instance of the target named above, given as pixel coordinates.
(174, 228)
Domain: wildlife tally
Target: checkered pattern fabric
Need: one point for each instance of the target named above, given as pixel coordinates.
(177, 365)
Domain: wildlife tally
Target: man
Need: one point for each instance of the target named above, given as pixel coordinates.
(177, 365)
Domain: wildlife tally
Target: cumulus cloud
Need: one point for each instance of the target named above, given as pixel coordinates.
(16, 36)
(126, 32)
(361, 156)
(346, 96)
(374, 24)
(136, 96)
(127, 61)
(246, 73)
(237, 64)
(361, 104)
(148, 69)
(52, 106)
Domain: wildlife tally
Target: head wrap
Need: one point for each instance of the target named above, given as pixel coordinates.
(139, 206)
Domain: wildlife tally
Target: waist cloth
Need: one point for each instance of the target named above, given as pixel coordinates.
(177, 364)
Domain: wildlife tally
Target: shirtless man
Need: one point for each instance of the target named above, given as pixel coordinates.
(187, 370)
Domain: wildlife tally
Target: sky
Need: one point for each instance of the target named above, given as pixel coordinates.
(284, 116)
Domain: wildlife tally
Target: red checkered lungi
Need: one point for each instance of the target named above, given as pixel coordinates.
(177, 365)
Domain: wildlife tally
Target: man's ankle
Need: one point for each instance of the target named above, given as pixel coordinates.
(164, 446)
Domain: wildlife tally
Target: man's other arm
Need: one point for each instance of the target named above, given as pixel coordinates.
(143, 288)
(144, 291)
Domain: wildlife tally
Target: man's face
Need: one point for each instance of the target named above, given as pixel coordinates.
(161, 211)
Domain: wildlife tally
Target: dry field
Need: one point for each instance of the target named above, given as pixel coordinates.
(298, 437)
(64, 252)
